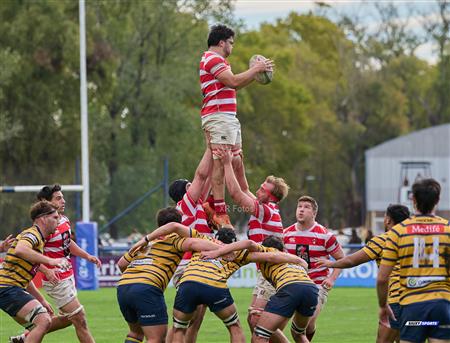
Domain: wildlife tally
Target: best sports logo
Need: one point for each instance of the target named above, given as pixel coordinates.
(421, 323)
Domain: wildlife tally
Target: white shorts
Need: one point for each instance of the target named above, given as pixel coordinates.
(263, 289)
(179, 272)
(223, 128)
(63, 292)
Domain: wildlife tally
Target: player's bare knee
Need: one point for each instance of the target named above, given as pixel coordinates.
(43, 321)
(78, 318)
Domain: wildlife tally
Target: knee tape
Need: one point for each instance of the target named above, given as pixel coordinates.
(31, 316)
(262, 332)
(180, 324)
(237, 152)
(298, 330)
(231, 320)
(74, 312)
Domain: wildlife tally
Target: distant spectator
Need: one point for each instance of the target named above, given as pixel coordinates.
(354, 239)
(369, 236)
(342, 239)
(134, 237)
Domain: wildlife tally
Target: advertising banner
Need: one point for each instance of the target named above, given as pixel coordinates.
(364, 275)
(86, 273)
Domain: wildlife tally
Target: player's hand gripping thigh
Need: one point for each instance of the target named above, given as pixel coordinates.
(267, 324)
(230, 318)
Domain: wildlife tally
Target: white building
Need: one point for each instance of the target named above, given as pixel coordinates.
(393, 166)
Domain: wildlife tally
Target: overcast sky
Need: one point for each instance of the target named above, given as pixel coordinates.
(255, 12)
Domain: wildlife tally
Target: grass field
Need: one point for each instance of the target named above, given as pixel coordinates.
(349, 316)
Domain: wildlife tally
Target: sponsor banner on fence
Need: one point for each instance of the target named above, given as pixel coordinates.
(86, 273)
(364, 275)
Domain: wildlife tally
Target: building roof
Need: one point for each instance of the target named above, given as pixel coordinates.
(430, 142)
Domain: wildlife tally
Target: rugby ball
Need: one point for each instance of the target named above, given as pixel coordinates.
(264, 77)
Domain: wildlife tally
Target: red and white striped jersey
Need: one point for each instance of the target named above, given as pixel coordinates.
(57, 245)
(311, 245)
(193, 216)
(216, 96)
(266, 221)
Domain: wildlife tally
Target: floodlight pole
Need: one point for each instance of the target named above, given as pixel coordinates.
(84, 114)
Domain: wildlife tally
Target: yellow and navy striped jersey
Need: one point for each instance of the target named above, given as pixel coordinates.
(154, 266)
(374, 250)
(213, 272)
(16, 271)
(282, 274)
(420, 244)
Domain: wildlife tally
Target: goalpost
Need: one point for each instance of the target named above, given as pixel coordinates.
(86, 273)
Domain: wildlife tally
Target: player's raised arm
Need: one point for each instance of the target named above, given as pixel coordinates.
(198, 244)
(202, 173)
(164, 230)
(228, 248)
(349, 261)
(239, 197)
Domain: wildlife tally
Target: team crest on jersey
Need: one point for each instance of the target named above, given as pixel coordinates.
(214, 261)
(142, 262)
(292, 240)
(302, 250)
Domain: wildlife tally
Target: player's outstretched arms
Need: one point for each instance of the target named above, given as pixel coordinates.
(77, 251)
(349, 261)
(243, 79)
(202, 173)
(23, 250)
(277, 257)
(229, 248)
(164, 230)
(239, 197)
(198, 244)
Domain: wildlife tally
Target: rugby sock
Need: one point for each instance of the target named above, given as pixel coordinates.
(220, 206)
(310, 335)
(130, 339)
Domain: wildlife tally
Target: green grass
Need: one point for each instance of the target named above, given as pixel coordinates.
(349, 316)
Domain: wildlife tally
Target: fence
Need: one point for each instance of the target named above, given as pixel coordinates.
(364, 275)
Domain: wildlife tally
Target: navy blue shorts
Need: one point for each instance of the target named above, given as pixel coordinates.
(13, 298)
(395, 324)
(300, 297)
(190, 294)
(143, 304)
(425, 319)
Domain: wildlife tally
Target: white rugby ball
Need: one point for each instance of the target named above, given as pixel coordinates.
(264, 77)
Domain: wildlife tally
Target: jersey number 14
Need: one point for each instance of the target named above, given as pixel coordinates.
(420, 254)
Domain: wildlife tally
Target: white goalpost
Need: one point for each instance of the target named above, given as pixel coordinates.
(84, 187)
